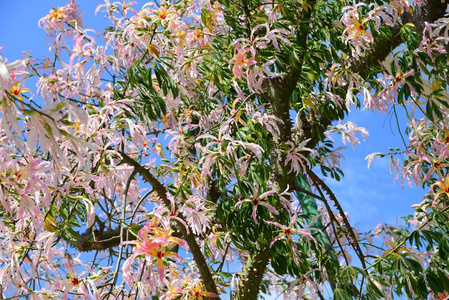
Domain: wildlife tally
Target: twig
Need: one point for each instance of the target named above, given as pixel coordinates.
(122, 231)
(220, 267)
(319, 183)
(399, 245)
(333, 219)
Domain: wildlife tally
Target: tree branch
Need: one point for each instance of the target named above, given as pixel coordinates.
(279, 92)
(187, 234)
(319, 184)
(252, 275)
(94, 240)
(429, 11)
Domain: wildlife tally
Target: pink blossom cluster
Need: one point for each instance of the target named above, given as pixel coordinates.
(357, 28)
(246, 65)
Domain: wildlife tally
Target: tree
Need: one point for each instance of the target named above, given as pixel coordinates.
(96, 204)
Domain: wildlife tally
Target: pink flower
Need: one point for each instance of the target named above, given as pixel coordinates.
(356, 29)
(430, 43)
(241, 60)
(271, 36)
(57, 17)
(389, 87)
(297, 160)
(443, 296)
(7, 74)
(156, 243)
(288, 233)
(370, 157)
(257, 200)
(348, 132)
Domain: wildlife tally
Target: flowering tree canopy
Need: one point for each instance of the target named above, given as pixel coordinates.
(180, 152)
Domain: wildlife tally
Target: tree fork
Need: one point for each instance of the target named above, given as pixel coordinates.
(279, 91)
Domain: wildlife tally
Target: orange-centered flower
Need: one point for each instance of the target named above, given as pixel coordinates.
(57, 14)
(17, 90)
(444, 186)
(161, 14)
(357, 29)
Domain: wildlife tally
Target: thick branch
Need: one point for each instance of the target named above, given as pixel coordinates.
(429, 11)
(187, 234)
(252, 275)
(279, 92)
(93, 240)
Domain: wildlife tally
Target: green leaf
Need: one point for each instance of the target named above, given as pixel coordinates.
(434, 283)
(70, 235)
(414, 265)
(443, 248)
(374, 291)
(340, 294)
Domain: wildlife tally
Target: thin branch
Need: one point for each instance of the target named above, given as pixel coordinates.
(333, 219)
(220, 267)
(353, 238)
(122, 231)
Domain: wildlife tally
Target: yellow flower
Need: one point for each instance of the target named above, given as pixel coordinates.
(444, 186)
(445, 139)
(162, 14)
(173, 292)
(57, 14)
(394, 249)
(357, 28)
(159, 253)
(17, 90)
(198, 293)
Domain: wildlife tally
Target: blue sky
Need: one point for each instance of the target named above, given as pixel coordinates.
(369, 195)
(20, 31)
